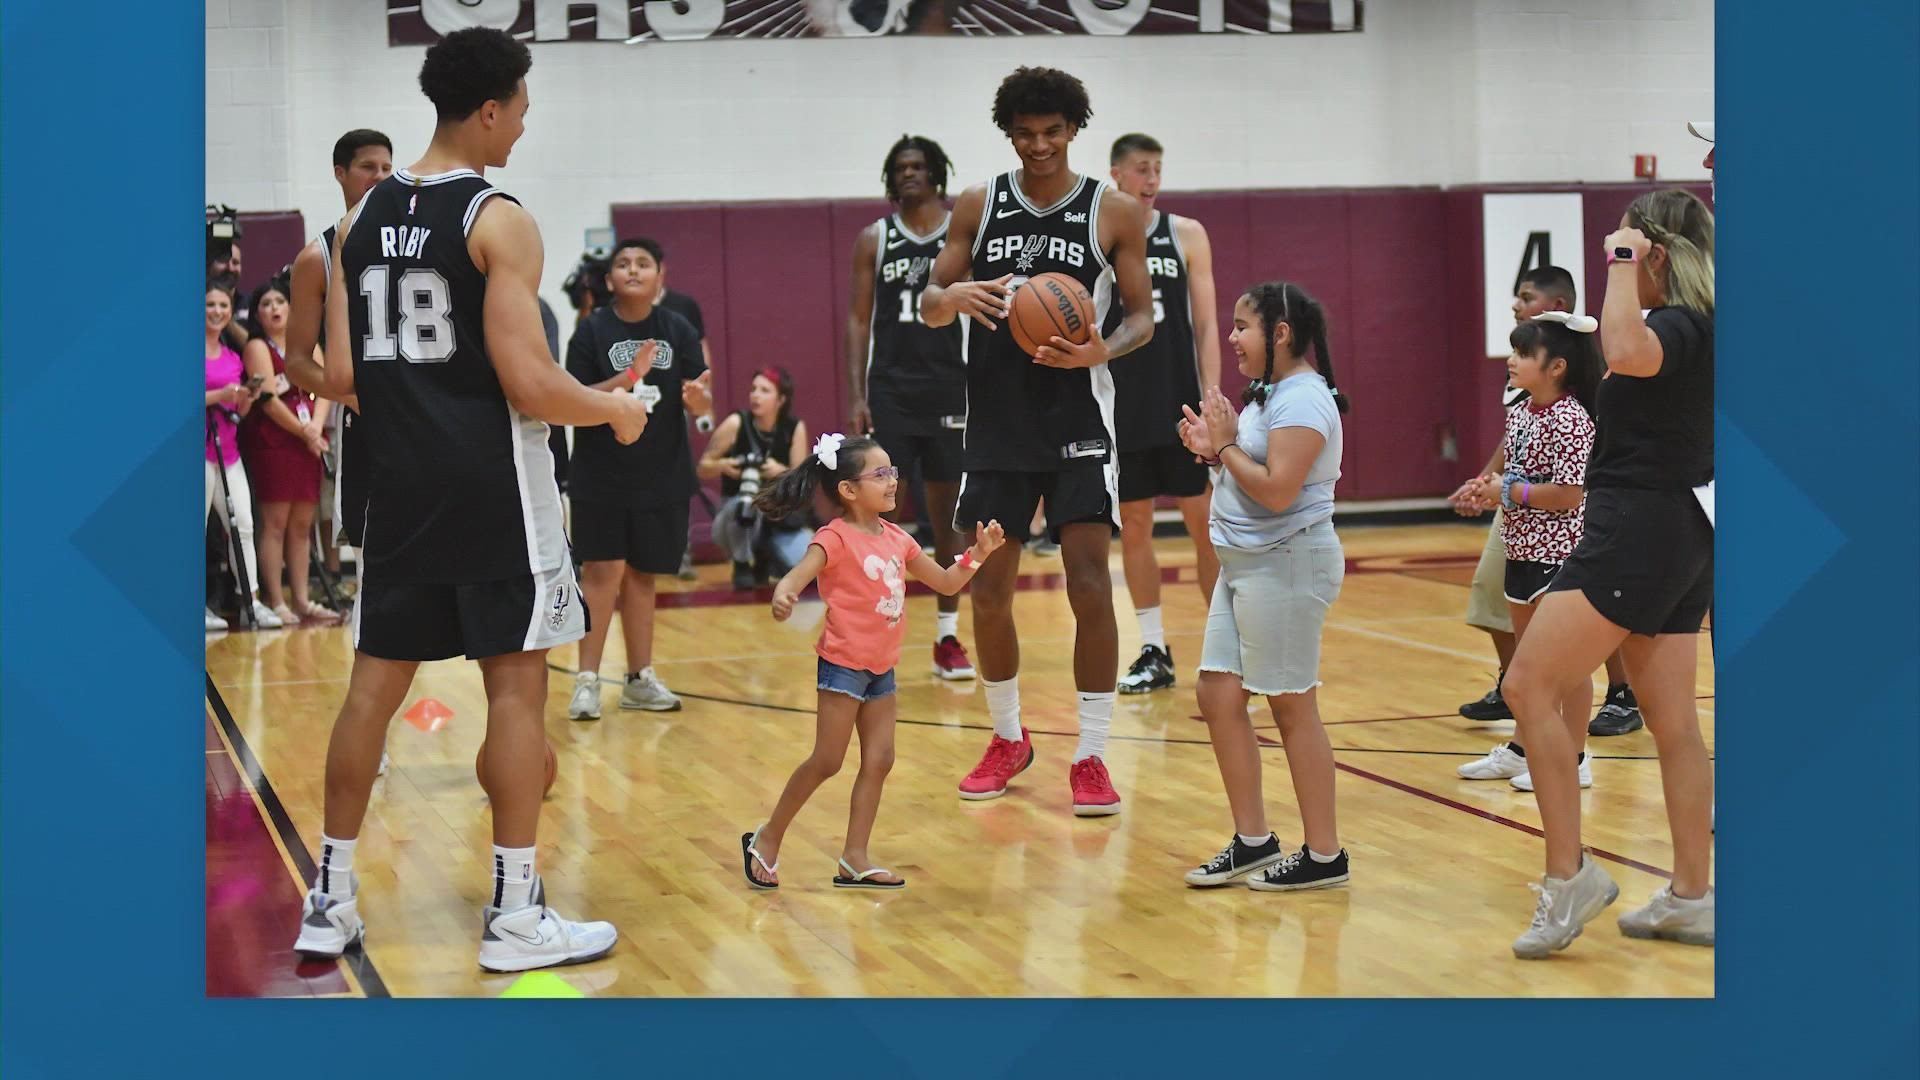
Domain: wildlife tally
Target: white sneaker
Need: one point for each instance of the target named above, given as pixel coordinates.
(1501, 763)
(1564, 908)
(215, 622)
(1669, 917)
(264, 618)
(536, 936)
(586, 697)
(644, 690)
(1524, 782)
(330, 926)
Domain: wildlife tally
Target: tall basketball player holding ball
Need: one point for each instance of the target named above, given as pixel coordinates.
(1040, 426)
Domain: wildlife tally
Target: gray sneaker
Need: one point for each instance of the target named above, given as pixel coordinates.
(1565, 907)
(1669, 917)
(644, 690)
(585, 703)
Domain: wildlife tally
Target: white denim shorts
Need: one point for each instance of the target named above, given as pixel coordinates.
(1268, 610)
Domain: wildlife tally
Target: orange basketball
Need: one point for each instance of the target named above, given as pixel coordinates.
(1050, 305)
(553, 765)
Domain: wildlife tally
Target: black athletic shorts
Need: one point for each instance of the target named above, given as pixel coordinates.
(1076, 493)
(1160, 470)
(932, 442)
(651, 540)
(1644, 561)
(411, 621)
(1527, 581)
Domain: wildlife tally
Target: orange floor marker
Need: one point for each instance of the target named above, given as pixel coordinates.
(428, 714)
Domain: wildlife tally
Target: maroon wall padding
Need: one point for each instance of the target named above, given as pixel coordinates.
(269, 242)
(1399, 270)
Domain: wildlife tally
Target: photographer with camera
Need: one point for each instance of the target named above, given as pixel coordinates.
(230, 396)
(749, 450)
(630, 502)
(223, 264)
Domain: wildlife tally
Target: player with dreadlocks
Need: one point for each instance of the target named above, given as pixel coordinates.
(907, 381)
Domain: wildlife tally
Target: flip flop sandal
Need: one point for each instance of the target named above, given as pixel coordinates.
(864, 879)
(748, 856)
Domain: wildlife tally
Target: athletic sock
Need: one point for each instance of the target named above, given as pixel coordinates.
(1003, 704)
(512, 878)
(1096, 719)
(946, 625)
(1322, 859)
(1151, 632)
(1254, 841)
(335, 879)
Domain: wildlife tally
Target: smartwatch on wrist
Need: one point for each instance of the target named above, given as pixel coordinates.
(1622, 255)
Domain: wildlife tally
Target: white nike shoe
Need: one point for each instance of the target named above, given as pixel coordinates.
(330, 926)
(536, 936)
(1501, 763)
(585, 704)
(1524, 782)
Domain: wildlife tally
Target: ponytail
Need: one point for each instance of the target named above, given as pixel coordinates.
(793, 492)
(1276, 302)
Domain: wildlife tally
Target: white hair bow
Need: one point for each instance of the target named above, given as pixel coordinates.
(827, 449)
(1579, 324)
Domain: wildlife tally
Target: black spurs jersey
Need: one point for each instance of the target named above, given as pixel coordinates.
(1023, 416)
(462, 486)
(916, 374)
(1164, 374)
(350, 471)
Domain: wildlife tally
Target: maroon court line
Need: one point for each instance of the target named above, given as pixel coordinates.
(1491, 816)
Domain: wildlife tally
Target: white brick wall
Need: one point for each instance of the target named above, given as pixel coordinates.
(1433, 92)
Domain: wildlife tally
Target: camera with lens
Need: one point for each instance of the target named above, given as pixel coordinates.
(749, 480)
(588, 281)
(223, 228)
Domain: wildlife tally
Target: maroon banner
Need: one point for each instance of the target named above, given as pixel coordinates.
(423, 22)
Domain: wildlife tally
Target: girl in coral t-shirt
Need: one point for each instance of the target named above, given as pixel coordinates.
(861, 561)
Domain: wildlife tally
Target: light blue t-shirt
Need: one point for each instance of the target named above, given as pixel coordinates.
(1239, 520)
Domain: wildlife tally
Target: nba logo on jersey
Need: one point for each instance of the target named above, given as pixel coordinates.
(412, 202)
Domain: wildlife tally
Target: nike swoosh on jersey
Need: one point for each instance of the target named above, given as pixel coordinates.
(1005, 213)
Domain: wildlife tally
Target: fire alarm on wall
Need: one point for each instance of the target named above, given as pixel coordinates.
(1644, 167)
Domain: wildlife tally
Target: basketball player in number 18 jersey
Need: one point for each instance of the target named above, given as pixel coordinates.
(432, 295)
(1041, 426)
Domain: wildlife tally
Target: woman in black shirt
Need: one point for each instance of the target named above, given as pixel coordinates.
(1642, 575)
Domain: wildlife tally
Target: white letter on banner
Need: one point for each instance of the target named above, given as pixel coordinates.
(1213, 16)
(700, 20)
(550, 20)
(446, 16)
(1279, 16)
(1109, 21)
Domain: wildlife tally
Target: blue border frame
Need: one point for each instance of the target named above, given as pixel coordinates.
(102, 118)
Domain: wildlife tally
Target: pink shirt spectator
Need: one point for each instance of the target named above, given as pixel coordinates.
(865, 586)
(224, 370)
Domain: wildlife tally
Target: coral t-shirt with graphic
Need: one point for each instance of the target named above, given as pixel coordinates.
(865, 586)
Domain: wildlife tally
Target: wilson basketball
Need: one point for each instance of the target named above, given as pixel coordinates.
(1049, 305)
(553, 765)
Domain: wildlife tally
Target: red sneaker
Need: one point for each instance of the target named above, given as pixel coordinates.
(1004, 760)
(950, 660)
(1093, 794)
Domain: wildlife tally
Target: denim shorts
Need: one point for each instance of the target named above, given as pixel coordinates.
(1268, 609)
(856, 683)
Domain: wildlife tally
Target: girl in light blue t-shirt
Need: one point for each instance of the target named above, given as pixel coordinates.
(1280, 569)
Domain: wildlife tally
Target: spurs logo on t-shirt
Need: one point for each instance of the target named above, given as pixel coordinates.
(623, 352)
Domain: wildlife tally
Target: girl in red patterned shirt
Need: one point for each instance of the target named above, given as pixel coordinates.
(1543, 466)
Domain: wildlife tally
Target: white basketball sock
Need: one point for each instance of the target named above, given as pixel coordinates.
(1096, 719)
(512, 878)
(1003, 704)
(336, 867)
(946, 624)
(1151, 632)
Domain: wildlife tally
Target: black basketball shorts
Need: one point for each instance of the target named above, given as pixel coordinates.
(414, 621)
(1076, 493)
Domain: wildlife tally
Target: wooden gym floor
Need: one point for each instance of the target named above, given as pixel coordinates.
(1014, 897)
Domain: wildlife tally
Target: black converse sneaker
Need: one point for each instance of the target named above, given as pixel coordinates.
(1619, 716)
(1153, 670)
(1235, 861)
(1300, 871)
(1490, 706)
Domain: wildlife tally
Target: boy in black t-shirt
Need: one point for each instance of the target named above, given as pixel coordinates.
(630, 502)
